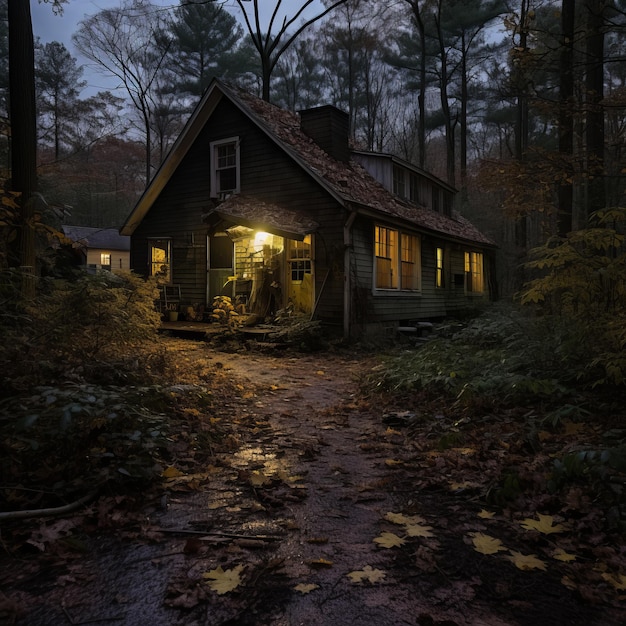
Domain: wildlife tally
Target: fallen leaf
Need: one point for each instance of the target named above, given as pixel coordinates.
(545, 525)
(320, 372)
(389, 540)
(393, 462)
(525, 561)
(366, 574)
(561, 555)
(418, 530)
(320, 563)
(403, 520)
(306, 587)
(486, 544)
(486, 514)
(617, 581)
(258, 478)
(222, 581)
(171, 472)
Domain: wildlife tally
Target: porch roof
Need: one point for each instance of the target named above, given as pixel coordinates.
(259, 215)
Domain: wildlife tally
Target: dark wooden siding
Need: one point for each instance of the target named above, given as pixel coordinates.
(387, 307)
(267, 173)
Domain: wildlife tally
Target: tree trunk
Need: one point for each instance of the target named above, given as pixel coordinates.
(594, 83)
(566, 120)
(23, 133)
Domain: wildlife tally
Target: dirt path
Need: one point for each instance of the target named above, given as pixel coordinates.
(313, 479)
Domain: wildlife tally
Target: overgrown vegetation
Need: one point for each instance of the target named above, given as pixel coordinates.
(88, 401)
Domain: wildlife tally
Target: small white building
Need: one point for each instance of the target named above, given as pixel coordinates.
(100, 248)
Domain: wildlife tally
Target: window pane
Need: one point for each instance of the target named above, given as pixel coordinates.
(410, 266)
(387, 258)
(160, 259)
(439, 274)
(398, 181)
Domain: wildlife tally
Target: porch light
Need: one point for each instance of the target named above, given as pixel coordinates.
(260, 239)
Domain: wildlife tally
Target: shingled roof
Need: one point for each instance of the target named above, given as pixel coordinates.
(101, 238)
(348, 181)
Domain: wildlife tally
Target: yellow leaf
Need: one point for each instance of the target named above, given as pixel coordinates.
(389, 540)
(486, 514)
(222, 581)
(390, 431)
(171, 472)
(320, 563)
(525, 561)
(545, 524)
(258, 478)
(320, 372)
(486, 544)
(561, 555)
(368, 574)
(418, 530)
(617, 581)
(306, 587)
(403, 520)
(393, 463)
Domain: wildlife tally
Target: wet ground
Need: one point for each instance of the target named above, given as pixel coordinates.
(314, 517)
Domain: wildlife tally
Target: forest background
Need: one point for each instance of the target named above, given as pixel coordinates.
(519, 104)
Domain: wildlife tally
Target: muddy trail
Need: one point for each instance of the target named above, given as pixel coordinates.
(307, 515)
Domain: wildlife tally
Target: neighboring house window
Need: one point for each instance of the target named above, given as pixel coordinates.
(399, 185)
(439, 266)
(160, 259)
(474, 281)
(397, 259)
(225, 175)
(105, 259)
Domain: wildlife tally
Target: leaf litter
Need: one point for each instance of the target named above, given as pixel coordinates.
(265, 490)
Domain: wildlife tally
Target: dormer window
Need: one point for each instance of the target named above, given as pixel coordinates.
(225, 171)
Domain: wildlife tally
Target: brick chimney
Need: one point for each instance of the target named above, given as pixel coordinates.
(329, 127)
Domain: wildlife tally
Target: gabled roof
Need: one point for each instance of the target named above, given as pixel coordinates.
(100, 238)
(348, 182)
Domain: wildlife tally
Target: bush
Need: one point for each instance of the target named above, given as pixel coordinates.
(75, 328)
(582, 280)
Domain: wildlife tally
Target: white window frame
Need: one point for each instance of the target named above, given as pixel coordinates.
(214, 146)
(391, 251)
(162, 270)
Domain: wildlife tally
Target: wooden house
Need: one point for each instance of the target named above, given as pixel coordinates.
(274, 209)
(99, 248)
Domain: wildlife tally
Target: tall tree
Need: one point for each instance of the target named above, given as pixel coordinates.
(594, 89)
(204, 38)
(271, 46)
(24, 134)
(566, 118)
(121, 43)
(58, 85)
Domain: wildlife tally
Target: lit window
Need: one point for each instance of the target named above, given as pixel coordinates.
(474, 281)
(160, 259)
(300, 258)
(225, 177)
(439, 266)
(397, 259)
(105, 259)
(410, 275)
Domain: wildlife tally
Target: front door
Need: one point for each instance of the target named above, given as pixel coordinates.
(220, 266)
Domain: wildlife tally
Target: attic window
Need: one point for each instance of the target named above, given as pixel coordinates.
(225, 171)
